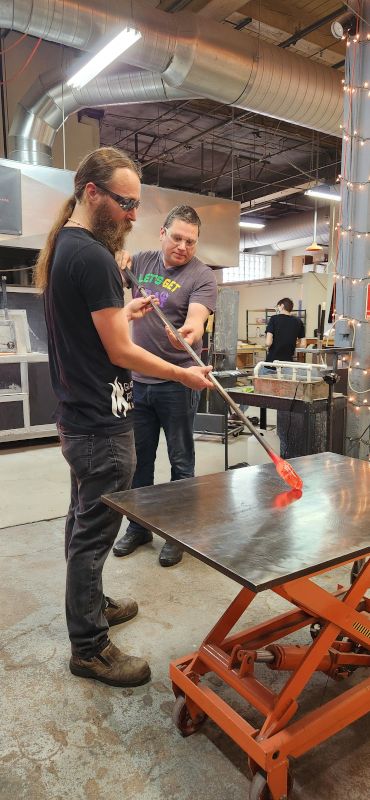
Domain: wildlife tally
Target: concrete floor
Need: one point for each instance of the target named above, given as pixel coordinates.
(64, 737)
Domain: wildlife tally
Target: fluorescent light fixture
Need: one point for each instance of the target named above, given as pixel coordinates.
(324, 193)
(104, 57)
(251, 225)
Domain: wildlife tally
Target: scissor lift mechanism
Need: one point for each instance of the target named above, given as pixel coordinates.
(240, 524)
(340, 628)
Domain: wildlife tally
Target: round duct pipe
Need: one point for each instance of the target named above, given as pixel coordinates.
(280, 235)
(198, 57)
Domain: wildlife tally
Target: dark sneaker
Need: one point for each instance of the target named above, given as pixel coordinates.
(170, 555)
(130, 541)
(112, 666)
(117, 611)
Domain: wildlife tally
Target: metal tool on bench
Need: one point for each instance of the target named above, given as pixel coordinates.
(283, 469)
(8, 340)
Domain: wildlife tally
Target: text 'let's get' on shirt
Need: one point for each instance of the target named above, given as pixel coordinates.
(285, 329)
(175, 288)
(95, 396)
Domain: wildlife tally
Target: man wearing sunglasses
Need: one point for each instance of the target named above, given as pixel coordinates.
(90, 355)
(186, 291)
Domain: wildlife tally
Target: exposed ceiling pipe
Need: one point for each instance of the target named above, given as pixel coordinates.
(278, 233)
(287, 244)
(195, 55)
(50, 101)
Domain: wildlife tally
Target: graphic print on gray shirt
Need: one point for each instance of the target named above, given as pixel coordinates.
(175, 288)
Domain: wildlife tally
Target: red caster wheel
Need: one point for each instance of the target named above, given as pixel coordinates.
(182, 719)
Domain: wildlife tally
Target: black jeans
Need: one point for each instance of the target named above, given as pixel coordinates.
(99, 465)
(170, 406)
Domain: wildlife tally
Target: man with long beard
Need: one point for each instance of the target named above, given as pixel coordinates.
(91, 353)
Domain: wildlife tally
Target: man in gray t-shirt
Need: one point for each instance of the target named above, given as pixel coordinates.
(186, 290)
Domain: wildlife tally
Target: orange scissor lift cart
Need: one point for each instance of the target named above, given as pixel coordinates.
(340, 629)
(239, 524)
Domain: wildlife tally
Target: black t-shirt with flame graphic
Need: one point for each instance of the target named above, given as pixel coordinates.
(94, 395)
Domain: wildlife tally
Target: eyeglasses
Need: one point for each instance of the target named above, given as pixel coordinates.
(176, 239)
(126, 203)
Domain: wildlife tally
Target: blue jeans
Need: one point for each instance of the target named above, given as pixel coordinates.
(98, 465)
(170, 406)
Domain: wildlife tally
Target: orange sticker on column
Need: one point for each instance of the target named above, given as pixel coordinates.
(368, 301)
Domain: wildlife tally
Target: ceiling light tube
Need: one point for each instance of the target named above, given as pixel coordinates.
(104, 57)
(255, 225)
(324, 195)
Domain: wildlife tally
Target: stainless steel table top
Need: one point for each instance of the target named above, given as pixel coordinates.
(242, 524)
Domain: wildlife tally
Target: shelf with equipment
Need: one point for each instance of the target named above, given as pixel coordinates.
(27, 400)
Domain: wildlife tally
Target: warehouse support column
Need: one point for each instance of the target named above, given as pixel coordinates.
(353, 268)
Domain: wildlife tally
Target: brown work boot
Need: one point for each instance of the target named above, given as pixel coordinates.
(111, 666)
(117, 611)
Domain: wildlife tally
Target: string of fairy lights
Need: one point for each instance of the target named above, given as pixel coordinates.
(353, 139)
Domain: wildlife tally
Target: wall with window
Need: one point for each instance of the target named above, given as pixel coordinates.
(262, 280)
(256, 265)
(251, 267)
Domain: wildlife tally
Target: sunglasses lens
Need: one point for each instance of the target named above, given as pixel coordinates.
(128, 205)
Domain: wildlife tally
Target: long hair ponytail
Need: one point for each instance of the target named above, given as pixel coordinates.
(43, 263)
(97, 166)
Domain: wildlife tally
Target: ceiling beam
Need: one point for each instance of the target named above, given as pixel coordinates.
(217, 10)
(288, 18)
(268, 198)
(220, 9)
(303, 32)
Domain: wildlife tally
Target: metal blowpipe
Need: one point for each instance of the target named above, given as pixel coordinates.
(284, 469)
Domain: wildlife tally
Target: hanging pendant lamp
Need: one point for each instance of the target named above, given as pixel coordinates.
(314, 247)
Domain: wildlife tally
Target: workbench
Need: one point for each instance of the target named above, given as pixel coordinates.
(247, 355)
(246, 525)
(308, 411)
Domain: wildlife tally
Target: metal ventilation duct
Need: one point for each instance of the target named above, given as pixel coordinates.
(279, 234)
(49, 101)
(193, 55)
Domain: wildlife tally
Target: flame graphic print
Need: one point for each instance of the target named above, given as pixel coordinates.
(120, 403)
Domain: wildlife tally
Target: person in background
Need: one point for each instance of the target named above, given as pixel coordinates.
(91, 354)
(186, 290)
(284, 332)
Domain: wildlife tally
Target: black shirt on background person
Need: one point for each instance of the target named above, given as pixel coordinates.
(283, 331)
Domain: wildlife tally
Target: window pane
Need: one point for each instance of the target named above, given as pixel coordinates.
(252, 267)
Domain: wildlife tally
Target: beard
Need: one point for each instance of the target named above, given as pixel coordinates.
(110, 233)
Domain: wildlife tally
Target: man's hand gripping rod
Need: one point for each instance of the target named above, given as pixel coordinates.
(284, 469)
